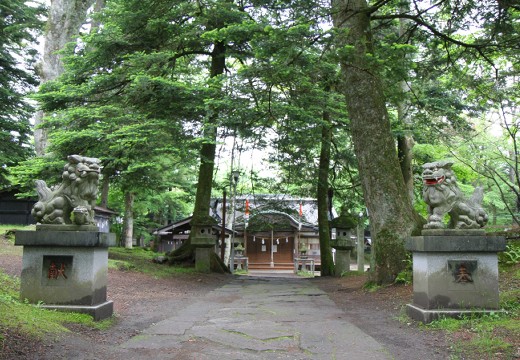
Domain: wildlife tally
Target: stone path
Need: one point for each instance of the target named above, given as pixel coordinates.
(258, 318)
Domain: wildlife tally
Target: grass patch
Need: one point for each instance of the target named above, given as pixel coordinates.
(351, 273)
(7, 233)
(490, 336)
(32, 320)
(305, 273)
(481, 337)
(241, 272)
(121, 265)
(371, 286)
(7, 228)
(140, 260)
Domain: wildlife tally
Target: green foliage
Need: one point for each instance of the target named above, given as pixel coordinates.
(390, 253)
(140, 260)
(371, 286)
(511, 256)
(349, 273)
(305, 274)
(19, 26)
(48, 168)
(485, 341)
(406, 275)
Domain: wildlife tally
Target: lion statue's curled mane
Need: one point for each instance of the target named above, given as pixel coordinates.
(443, 196)
(73, 201)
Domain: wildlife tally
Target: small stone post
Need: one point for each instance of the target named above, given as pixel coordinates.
(204, 240)
(343, 242)
(361, 244)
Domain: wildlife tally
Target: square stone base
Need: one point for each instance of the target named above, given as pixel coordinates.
(64, 275)
(427, 316)
(98, 312)
(203, 259)
(66, 270)
(454, 273)
(342, 262)
(455, 280)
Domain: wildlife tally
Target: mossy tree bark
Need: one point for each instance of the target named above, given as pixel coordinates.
(186, 253)
(405, 140)
(65, 20)
(128, 225)
(327, 263)
(392, 217)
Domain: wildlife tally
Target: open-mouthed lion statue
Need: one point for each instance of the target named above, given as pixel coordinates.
(442, 195)
(75, 196)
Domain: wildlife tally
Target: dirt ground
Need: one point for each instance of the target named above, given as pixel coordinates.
(141, 300)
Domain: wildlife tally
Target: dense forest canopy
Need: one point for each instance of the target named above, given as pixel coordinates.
(351, 96)
(20, 25)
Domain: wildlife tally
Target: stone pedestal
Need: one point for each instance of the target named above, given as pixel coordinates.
(66, 270)
(342, 262)
(204, 239)
(343, 248)
(455, 272)
(203, 259)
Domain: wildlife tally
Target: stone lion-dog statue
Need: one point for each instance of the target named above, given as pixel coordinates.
(443, 196)
(73, 201)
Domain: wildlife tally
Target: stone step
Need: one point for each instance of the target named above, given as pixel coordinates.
(267, 266)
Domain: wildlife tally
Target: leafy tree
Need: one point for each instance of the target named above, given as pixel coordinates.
(65, 19)
(19, 26)
(156, 70)
(391, 219)
(102, 105)
(391, 213)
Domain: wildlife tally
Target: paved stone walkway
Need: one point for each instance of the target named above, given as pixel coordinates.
(259, 318)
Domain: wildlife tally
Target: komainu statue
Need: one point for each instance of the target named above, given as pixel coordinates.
(73, 201)
(442, 195)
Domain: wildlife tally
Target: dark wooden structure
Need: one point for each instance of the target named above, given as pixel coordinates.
(172, 236)
(15, 211)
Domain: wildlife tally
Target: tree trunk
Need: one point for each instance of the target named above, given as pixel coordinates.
(65, 19)
(405, 145)
(327, 263)
(405, 140)
(105, 187)
(201, 215)
(392, 217)
(208, 150)
(128, 224)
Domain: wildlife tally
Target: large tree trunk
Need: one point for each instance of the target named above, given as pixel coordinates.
(208, 150)
(105, 187)
(186, 253)
(405, 145)
(327, 262)
(405, 140)
(128, 224)
(65, 20)
(392, 217)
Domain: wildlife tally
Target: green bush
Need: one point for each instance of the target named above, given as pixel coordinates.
(512, 254)
(406, 275)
